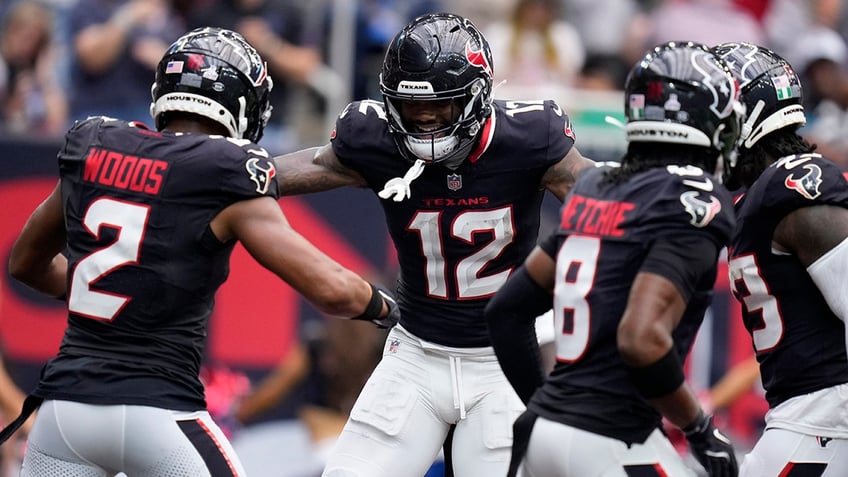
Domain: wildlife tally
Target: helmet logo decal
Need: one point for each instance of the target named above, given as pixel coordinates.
(260, 174)
(782, 87)
(702, 212)
(711, 71)
(415, 87)
(569, 131)
(478, 58)
(174, 67)
(195, 62)
(637, 106)
(454, 182)
(808, 184)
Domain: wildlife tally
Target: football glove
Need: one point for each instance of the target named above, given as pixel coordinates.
(392, 318)
(711, 448)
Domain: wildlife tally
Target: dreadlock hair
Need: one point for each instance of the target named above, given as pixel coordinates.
(771, 147)
(642, 156)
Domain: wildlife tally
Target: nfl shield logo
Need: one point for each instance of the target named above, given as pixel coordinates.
(454, 181)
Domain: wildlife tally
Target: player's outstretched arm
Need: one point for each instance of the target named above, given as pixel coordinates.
(560, 177)
(35, 258)
(314, 169)
(265, 232)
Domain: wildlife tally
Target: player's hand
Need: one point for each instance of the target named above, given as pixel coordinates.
(712, 448)
(393, 316)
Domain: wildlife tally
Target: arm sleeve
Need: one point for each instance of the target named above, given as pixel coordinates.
(511, 316)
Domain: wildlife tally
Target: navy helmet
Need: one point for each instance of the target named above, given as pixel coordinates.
(217, 74)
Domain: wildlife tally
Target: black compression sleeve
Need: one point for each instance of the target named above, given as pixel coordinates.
(511, 315)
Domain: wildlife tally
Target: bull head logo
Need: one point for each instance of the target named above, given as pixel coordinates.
(808, 184)
(478, 58)
(260, 174)
(702, 212)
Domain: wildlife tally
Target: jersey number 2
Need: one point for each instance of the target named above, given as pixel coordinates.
(130, 220)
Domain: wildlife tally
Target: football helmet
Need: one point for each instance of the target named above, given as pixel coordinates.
(770, 90)
(680, 92)
(214, 73)
(438, 57)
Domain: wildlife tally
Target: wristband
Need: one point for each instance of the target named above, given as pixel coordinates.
(374, 307)
(658, 378)
(701, 422)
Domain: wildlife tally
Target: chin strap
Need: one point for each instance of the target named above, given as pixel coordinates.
(399, 186)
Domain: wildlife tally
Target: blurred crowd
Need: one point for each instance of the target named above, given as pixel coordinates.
(62, 60)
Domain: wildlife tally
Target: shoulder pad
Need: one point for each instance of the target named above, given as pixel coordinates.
(796, 181)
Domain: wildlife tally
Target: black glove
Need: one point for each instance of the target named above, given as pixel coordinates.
(392, 318)
(712, 448)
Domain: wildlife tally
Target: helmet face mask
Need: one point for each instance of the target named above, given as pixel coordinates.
(215, 73)
(438, 57)
(770, 90)
(681, 93)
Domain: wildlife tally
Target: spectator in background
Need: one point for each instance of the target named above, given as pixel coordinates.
(705, 21)
(275, 27)
(116, 45)
(534, 48)
(783, 16)
(32, 99)
(821, 58)
(602, 25)
(377, 21)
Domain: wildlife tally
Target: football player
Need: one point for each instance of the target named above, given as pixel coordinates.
(461, 177)
(789, 270)
(137, 237)
(629, 272)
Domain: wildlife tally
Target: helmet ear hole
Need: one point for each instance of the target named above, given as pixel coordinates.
(215, 73)
(436, 57)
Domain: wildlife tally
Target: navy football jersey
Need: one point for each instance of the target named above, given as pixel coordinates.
(143, 264)
(799, 342)
(462, 231)
(606, 231)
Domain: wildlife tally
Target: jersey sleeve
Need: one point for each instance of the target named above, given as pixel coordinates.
(361, 132)
(361, 142)
(690, 203)
(560, 132)
(801, 181)
(246, 169)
